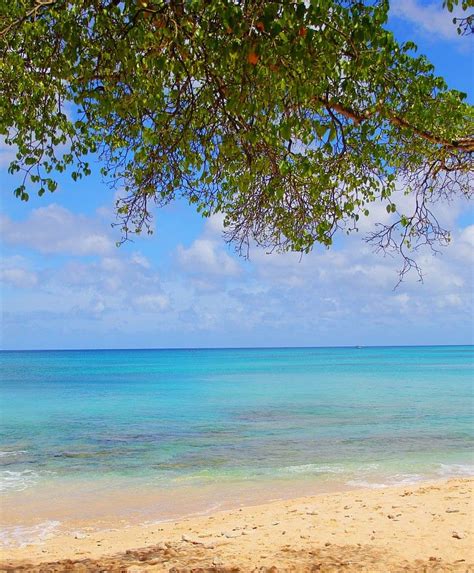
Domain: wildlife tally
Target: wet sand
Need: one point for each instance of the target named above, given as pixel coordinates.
(426, 527)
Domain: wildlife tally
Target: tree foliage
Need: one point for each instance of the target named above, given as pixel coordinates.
(289, 117)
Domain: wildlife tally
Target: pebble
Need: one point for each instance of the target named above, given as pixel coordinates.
(449, 510)
(231, 534)
(457, 535)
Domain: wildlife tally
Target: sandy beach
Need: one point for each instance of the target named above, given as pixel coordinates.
(426, 527)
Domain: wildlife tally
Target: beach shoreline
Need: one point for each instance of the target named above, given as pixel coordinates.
(417, 527)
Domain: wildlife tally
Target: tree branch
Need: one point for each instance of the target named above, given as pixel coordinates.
(462, 144)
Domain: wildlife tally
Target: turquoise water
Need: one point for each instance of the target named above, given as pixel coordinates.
(169, 418)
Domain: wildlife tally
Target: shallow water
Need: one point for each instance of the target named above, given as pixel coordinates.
(206, 425)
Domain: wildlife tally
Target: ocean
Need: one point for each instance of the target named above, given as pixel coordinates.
(155, 434)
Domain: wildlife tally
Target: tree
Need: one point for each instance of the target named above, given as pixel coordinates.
(289, 117)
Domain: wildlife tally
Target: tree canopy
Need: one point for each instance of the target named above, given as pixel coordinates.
(289, 117)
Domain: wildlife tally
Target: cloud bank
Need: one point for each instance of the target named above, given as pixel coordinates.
(74, 289)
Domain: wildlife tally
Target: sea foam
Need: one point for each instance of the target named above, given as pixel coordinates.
(17, 481)
(12, 453)
(390, 481)
(312, 469)
(20, 536)
(455, 470)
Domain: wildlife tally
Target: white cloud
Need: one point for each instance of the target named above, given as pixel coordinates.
(214, 226)
(402, 299)
(207, 257)
(110, 292)
(16, 271)
(467, 236)
(429, 18)
(139, 259)
(151, 302)
(112, 264)
(18, 277)
(463, 246)
(54, 229)
(448, 300)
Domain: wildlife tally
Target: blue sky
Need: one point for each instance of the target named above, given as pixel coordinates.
(66, 285)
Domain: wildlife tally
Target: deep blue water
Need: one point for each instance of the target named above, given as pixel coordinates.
(167, 417)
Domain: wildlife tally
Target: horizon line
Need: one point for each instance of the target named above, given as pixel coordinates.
(354, 346)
